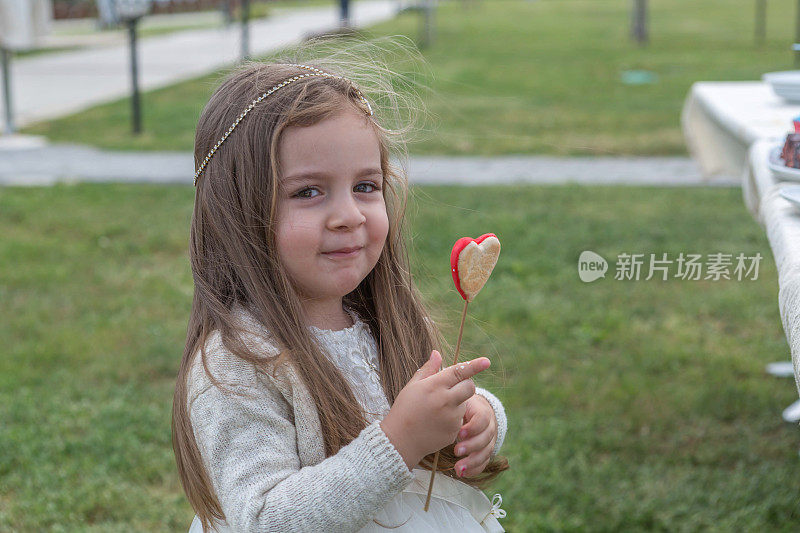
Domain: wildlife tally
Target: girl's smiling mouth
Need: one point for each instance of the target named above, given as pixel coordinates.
(344, 252)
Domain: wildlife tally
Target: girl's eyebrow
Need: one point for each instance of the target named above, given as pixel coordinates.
(323, 175)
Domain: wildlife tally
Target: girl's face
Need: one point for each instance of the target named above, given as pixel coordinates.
(331, 215)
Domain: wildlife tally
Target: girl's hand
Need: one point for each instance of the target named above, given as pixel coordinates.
(428, 412)
(477, 437)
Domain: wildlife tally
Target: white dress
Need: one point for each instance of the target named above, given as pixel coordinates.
(454, 505)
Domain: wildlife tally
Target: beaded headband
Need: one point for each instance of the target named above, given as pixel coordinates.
(316, 72)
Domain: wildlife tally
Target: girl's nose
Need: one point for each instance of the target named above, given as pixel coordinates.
(345, 213)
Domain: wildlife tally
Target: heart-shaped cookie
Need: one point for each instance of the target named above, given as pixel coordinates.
(472, 262)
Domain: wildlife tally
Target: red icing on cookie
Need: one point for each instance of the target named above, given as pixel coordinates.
(457, 247)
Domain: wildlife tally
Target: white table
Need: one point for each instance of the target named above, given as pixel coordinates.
(722, 120)
(730, 128)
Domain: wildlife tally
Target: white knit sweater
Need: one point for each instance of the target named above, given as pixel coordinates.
(265, 452)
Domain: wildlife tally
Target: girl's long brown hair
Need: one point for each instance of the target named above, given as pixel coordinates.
(233, 258)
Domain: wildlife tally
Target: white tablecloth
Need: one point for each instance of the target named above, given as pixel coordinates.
(730, 128)
(781, 220)
(721, 120)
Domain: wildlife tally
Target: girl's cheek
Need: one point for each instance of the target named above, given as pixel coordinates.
(384, 226)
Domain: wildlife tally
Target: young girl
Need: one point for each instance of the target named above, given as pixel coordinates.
(310, 396)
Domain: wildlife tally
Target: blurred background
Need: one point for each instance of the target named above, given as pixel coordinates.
(615, 126)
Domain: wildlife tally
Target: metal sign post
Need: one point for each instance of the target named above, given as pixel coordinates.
(136, 113)
(227, 12)
(429, 10)
(797, 36)
(5, 57)
(128, 12)
(344, 13)
(245, 30)
(23, 23)
(761, 22)
(639, 21)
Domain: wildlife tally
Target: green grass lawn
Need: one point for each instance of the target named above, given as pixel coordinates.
(514, 76)
(632, 405)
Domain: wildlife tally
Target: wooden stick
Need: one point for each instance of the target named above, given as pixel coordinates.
(455, 360)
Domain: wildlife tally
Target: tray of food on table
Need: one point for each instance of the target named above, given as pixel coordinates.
(784, 161)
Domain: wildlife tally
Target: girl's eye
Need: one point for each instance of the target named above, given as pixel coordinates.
(371, 186)
(302, 193)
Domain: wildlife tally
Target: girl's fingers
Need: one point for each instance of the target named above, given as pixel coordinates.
(474, 444)
(431, 367)
(473, 464)
(461, 392)
(475, 426)
(452, 375)
(469, 414)
(480, 468)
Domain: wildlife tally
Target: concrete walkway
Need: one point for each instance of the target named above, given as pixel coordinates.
(58, 84)
(49, 164)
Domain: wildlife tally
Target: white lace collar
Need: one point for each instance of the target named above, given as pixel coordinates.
(354, 351)
(243, 314)
(350, 331)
